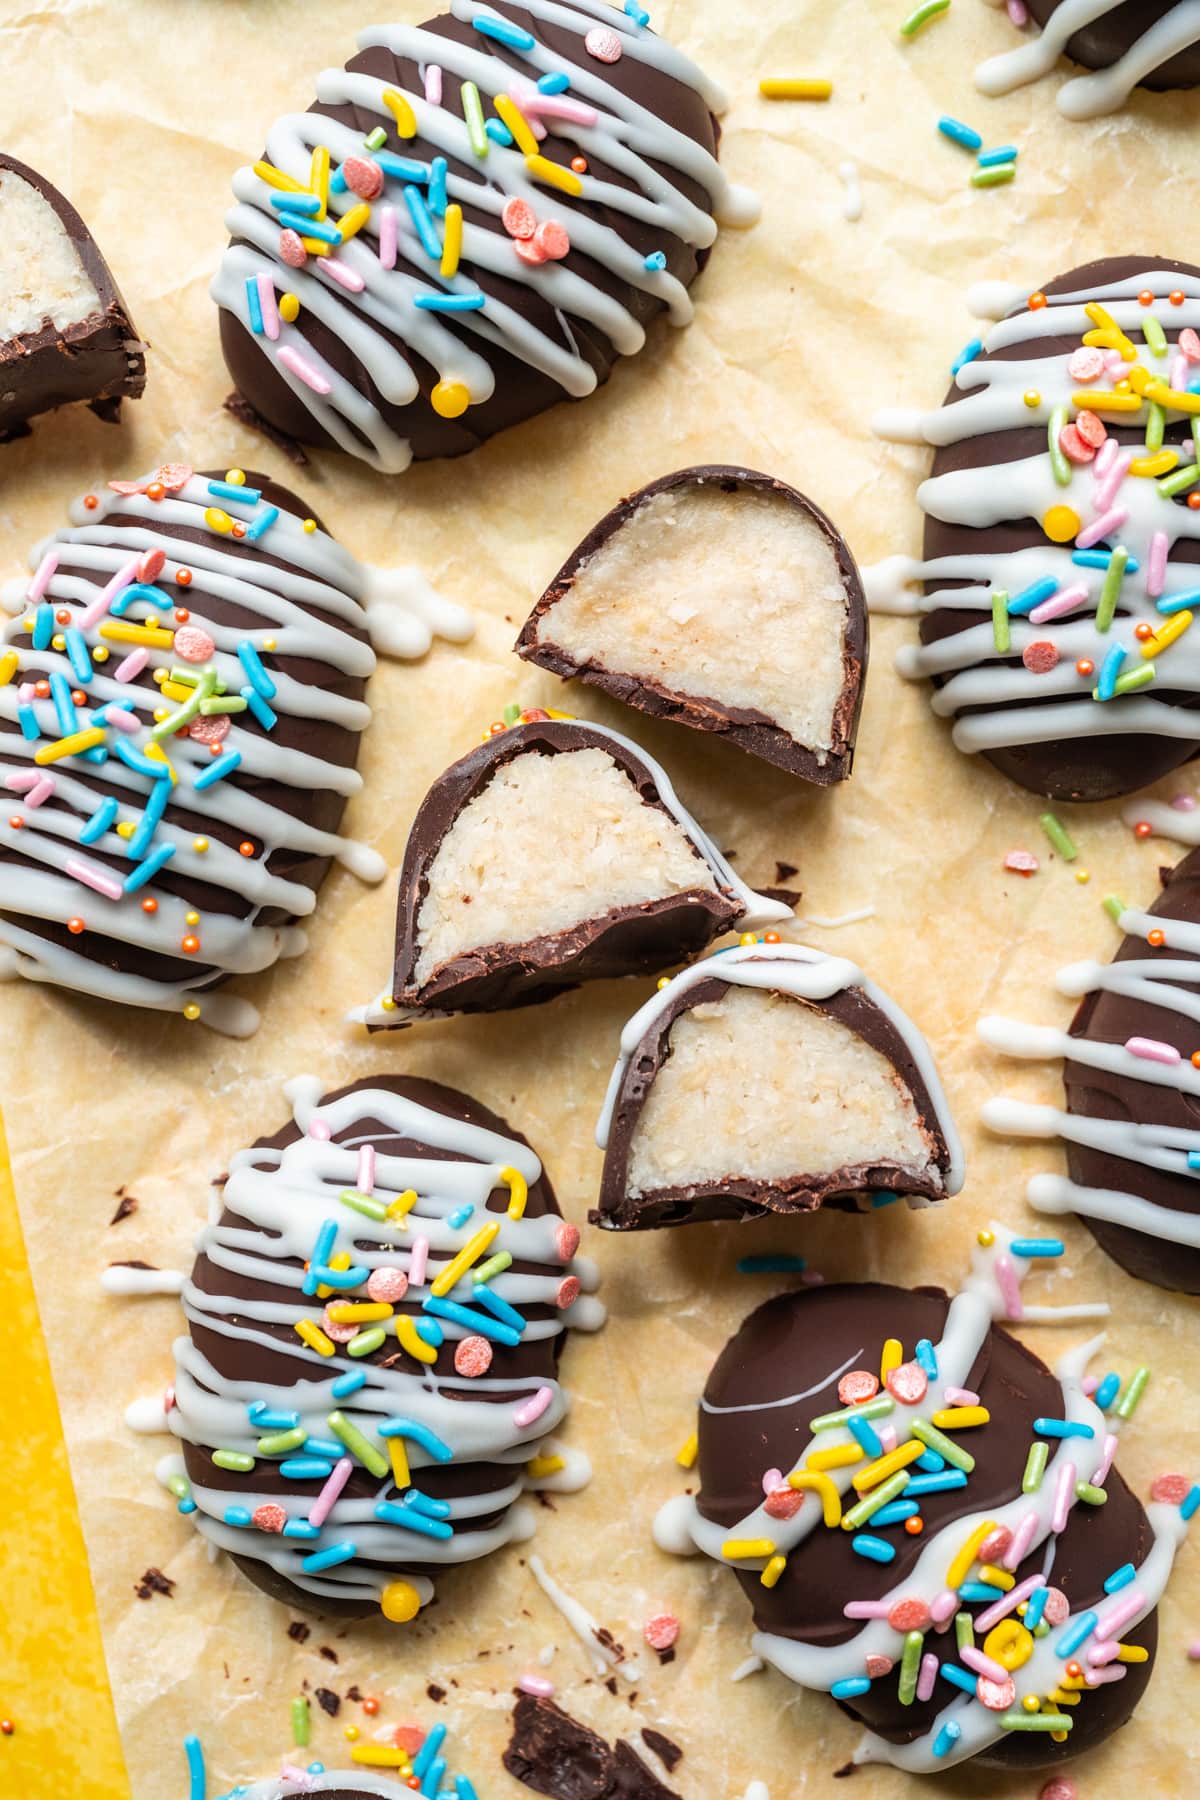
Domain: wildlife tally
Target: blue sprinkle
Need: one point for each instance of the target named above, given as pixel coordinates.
(329, 1448)
(437, 182)
(423, 223)
(894, 1513)
(148, 868)
(343, 1279)
(430, 1332)
(1062, 1428)
(258, 706)
(1074, 1635)
(229, 490)
(313, 228)
(556, 83)
(328, 1559)
(503, 32)
(1036, 1607)
(991, 159)
(43, 626)
(1191, 1503)
(297, 203)
(144, 765)
(977, 1592)
(101, 821)
(947, 1737)
(931, 1462)
(852, 1685)
(197, 1779)
(216, 771)
(305, 1468)
(254, 306)
(927, 1358)
(138, 590)
(403, 168)
(1110, 668)
(261, 522)
(27, 719)
(473, 1320)
(770, 1265)
(1037, 1247)
(300, 1528)
(410, 1519)
(1108, 1390)
(322, 1250)
(317, 1768)
(966, 355)
(428, 1751)
(186, 1506)
(883, 1197)
(1100, 559)
(433, 1777)
(867, 1436)
(459, 1216)
(64, 706)
(508, 1315)
(425, 1503)
(349, 1383)
(465, 1788)
(1178, 602)
(417, 1434)
(656, 262)
(959, 1677)
(268, 1419)
(1120, 1578)
(449, 303)
(237, 1515)
(77, 655)
(958, 133)
(256, 675)
(155, 807)
(873, 1548)
(1032, 596)
(337, 180)
(498, 131)
(637, 13)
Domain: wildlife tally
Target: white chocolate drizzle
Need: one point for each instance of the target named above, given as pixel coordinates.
(1104, 90)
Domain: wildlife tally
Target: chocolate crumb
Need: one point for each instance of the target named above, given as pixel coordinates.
(328, 1653)
(133, 1262)
(298, 1631)
(354, 1693)
(328, 1701)
(667, 1655)
(436, 1693)
(154, 1582)
(126, 1204)
(555, 1754)
(789, 896)
(667, 1752)
(784, 870)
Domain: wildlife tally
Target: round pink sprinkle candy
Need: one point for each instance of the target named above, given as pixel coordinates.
(568, 1292)
(387, 1284)
(1174, 1489)
(269, 1518)
(1189, 344)
(291, 249)
(210, 730)
(1040, 657)
(909, 1615)
(771, 1480)
(518, 218)
(603, 44)
(783, 1503)
(1075, 448)
(907, 1383)
(341, 1334)
(151, 564)
(997, 1696)
(661, 1631)
(566, 1241)
(1059, 1787)
(879, 1666)
(552, 240)
(995, 1544)
(363, 177)
(858, 1385)
(174, 476)
(1085, 364)
(1057, 1607)
(195, 645)
(473, 1356)
(529, 250)
(408, 1737)
(1091, 429)
(1021, 862)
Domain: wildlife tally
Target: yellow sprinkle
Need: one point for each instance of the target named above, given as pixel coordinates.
(1104, 319)
(958, 1418)
(553, 174)
(126, 828)
(773, 1571)
(217, 519)
(843, 1456)
(309, 526)
(1167, 634)
(289, 307)
(402, 1205)
(352, 222)
(450, 399)
(997, 1578)
(318, 179)
(1031, 398)
(831, 1500)
(69, 746)
(985, 1239)
(316, 246)
(99, 654)
(58, 641)
(736, 1549)
(276, 178)
(401, 110)
(235, 477)
(883, 1466)
(118, 632)
(387, 1003)
(352, 1732)
(663, 980)
(200, 845)
(960, 1567)
(314, 1337)
(8, 667)
(161, 713)
(1031, 1703)
(689, 1452)
(1009, 1644)
(191, 1011)
(1102, 403)
(452, 240)
(399, 1602)
(892, 1357)
(1132, 1653)
(1060, 524)
(1083, 876)
(517, 123)
(1150, 467)
(175, 690)
(399, 1456)
(156, 753)
(406, 1333)
(193, 918)
(780, 89)
(539, 1467)
(1135, 380)
(1162, 395)
(518, 1192)
(347, 1312)
(1110, 340)
(380, 1756)
(470, 1253)
(340, 1260)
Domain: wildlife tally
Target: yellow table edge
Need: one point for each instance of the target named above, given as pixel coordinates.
(54, 1686)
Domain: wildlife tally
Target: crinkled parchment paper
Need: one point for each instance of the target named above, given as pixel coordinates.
(804, 326)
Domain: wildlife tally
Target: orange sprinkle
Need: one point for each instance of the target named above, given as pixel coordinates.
(91, 502)
(772, 937)
(184, 577)
(1036, 302)
(1176, 297)
(245, 848)
(16, 821)
(1193, 501)
(1196, 1059)
(239, 531)
(1142, 829)
(63, 617)
(914, 1526)
(42, 689)
(182, 615)
(1143, 631)
(190, 945)
(75, 926)
(79, 697)
(1085, 666)
(150, 904)
(155, 491)
(1145, 298)
(370, 1705)
(1157, 939)
(579, 164)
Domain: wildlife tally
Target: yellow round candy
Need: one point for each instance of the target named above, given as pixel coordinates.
(160, 675)
(217, 520)
(352, 1732)
(400, 1602)
(985, 1239)
(663, 981)
(193, 918)
(1009, 1644)
(1031, 1703)
(1031, 397)
(747, 938)
(191, 1010)
(289, 307)
(310, 525)
(387, 1003)
(200, 844)
(58, 641)
(160, 713)
(125, 829)
(100, 653)
(235, 477)
(1083, 876)
(450, 399)
(1060, 524)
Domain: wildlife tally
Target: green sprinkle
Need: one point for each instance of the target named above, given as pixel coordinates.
(1000, 176)
(210, 708)
(887, 1490)
(1170, 485)
(921, 15)
(180, 1486)
(236, 1460)
(1038, 1721)
(1132, 679)
(1000, 628)
(1127, 1404)
(1055, 831)
(1110, 593)
(473, 114)
(495, 1265)
(910, 1666)
(1154, 335)
(1114, 908)
(511, 713)
(1035, 1467)
(964, 1631)
(1058, 462)
(874, 1409)
(933, 1439)
(1156, 418)
(366, 1341)
(1090, 1495)
(377, 139)
(364, 1203)
(301, 1721)
(278, 1443)
(349, 1434)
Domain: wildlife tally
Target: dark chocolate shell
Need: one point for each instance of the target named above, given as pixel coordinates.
(1103, 41)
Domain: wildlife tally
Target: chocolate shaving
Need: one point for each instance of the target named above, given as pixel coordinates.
(126, 1205)
(298, 1631)
(555, 1754)
(328, 1701)
(668, 1752)
(154, 1582)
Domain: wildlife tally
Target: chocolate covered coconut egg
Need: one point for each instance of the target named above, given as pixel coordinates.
(1062, 543)
(771, 1078)
(1131, 1060)
(477, 218)
(721, 599)
(636, 883)
(1128, 43)
(181, 702)
(375, 1321)
(65, 332)
(927, 1522)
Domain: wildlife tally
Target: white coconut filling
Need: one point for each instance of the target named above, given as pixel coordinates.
(731, 597)
(765, 1087)
(549, 843)
(41, 276)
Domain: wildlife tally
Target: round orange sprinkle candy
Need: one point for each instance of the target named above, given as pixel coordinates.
(42, 689)
(184, 577)
(182, 615)
(149, 904)
(772, 937)
(1176, 296)
(1085, 666)
(75, 926)
(63, 617)
(7, 1727)
(1156, 939)
(1143, 631)
(189, 944)
(1196, 1059)
(914, 1526)
(1145, 298)
(579, 164)
(16, 821)
(91, 502)
(239, 531)
(1142, 829)
(1036, 302)
(245, 848)
(79, 697)
(155, 491)
(1193, 501)
(370, 1705)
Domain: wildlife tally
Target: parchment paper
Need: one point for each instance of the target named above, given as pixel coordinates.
(804, 326)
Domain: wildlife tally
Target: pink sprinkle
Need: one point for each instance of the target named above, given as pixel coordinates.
(1101, 527)
(1007, 1603)
(266, 301)
(1040, 657)
(40, 791)
(1156, 568)
(323, 1505)
(194, 644)
(1103, 1677)
(363, 176)
(907, 1383)
(366, 1162)
(1152, 1050)
(305, 371)
(811, 1278)
(961, 1396)
(536, 1685)
(887, 1436)
(1105, 1652)
(92, 615)
(569, 1290)
(532, 1409)
(473, 1356)
(878, 1666)
(518, 218)
(1057, 1609)
(292, 1772)
(269, 1517)
(858, 1385)
(1075, 447)
(982, 1665)
(997, 1696)
(21, 780)
(291, 249)
(909, 1615)
(125, 719)
(151, 564)
(27, 692)
(388, 236)
(91, 875)
(1021, 862)
(771, 1480)
(168, 1399)
(387, 1284)
(1113, 1619)
(1065, 601)
(1085, 364)
(1022, 1538)
(1189, 344)
(207, 731)
(1179, 372)
(530, 251)
(928, 1675)
(1018, 13)
(943, 1607)
(552, 239)
(43, 577)
(566, 1241)
(1089, 1384)
(1108, 485)
(661, 1631)
(535, 104)
(1184, 802)
(1092, 429)
(417, 1261)
(317, 1128)
(865, 1609)
(1064, 1493)
(603, 44)
(1174, 1489)
(995, 1545)
(342, 273)
(783, 1502)
(1059, 1787)
(1193, 1652)
(131, 666)
(1010, 1288)
(433, 85)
